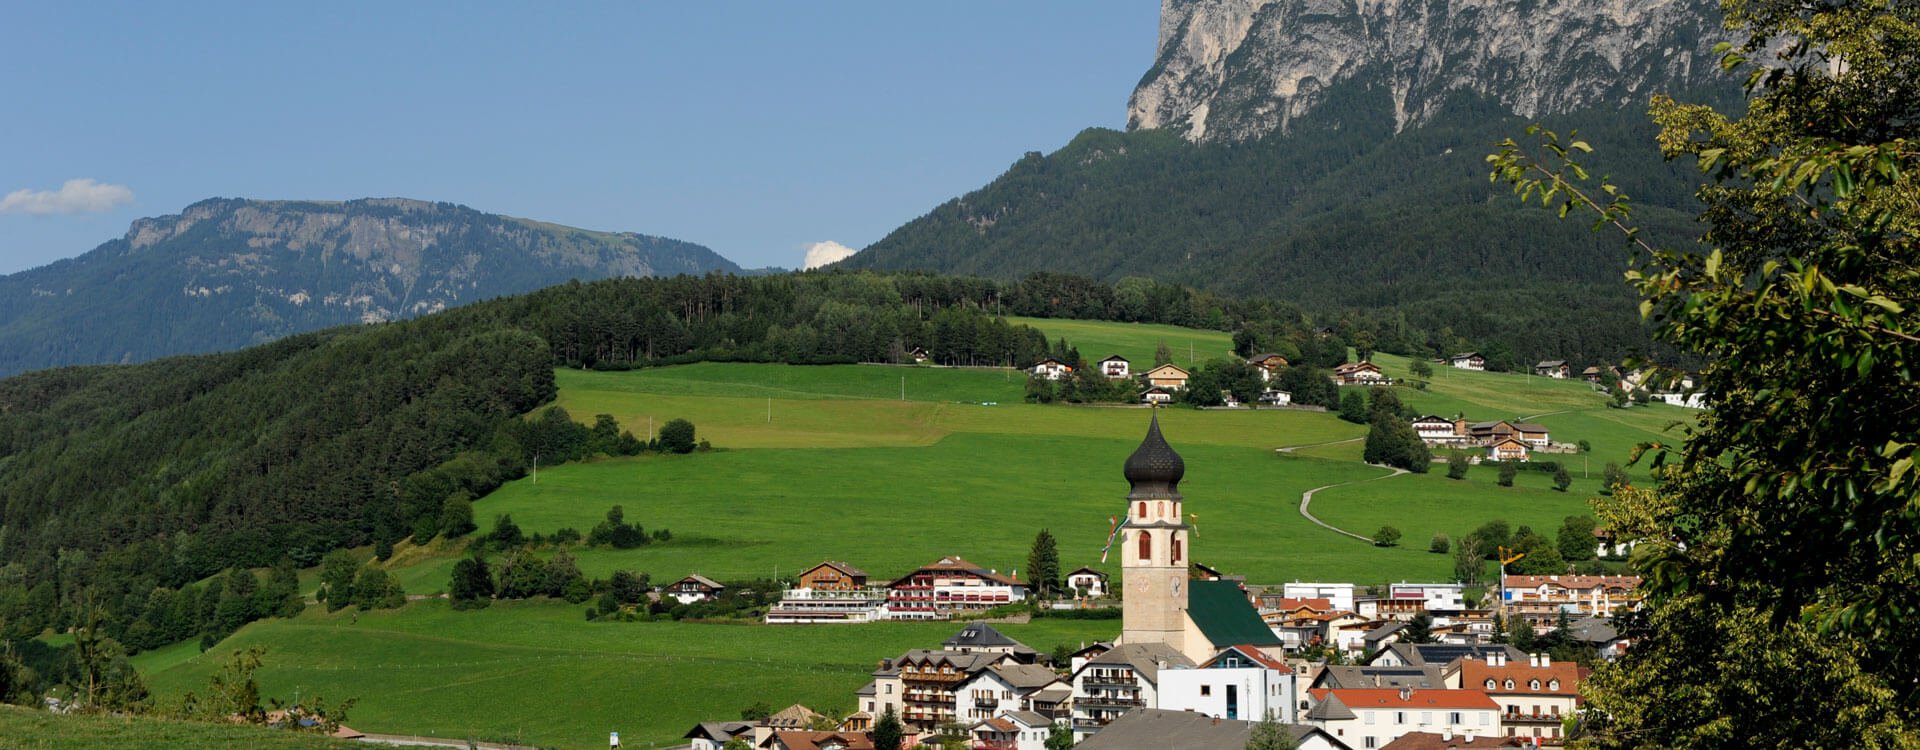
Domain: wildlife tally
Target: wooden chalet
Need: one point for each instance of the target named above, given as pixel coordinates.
(833, 575)
(1169, 376)
(694, 588)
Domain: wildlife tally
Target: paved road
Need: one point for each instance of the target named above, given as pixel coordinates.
(1306, 499)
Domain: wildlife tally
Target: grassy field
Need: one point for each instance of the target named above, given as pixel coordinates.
(1135, 341)
(27, 729)
(832, 462)
(537, 672)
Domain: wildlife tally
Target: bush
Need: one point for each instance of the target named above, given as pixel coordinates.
(1457, 464)
(676, 436)
(1440, 544)
(1507, 472)
(1387, 536)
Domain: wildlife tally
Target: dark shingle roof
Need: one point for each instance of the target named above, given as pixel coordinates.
(1441, 654)
(1157, 729)
(1154, 466)
(1223, 613)
(980, 635)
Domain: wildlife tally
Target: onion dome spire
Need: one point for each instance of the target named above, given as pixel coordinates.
(1154, 468)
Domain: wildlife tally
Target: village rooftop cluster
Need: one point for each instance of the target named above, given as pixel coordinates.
(1201, 656)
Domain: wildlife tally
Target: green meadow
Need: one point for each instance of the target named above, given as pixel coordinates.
(28, 729)
(888, 468)
(1098, 340)
(538, 673)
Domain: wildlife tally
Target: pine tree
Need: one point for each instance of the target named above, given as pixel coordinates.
(888, 733)
(1043, 564)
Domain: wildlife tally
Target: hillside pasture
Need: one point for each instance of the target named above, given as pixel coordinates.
(1098, 340)
(538, 673)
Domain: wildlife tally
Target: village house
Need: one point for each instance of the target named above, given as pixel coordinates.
(1276, 397)
(1535, 695)
(1269, 365)
(1116, 367)
(1120, 680)
(1359, 373)
(1340, 595)
(711, 735)
(831, 592)
(936, 591)
(797, 739)
(1557, 369)
(981, 638)
(1438, 654)
(1440, 430)
(1014, 730)
(1087, 583)
(1468, 361)
(1003, 688)
(922, 686)
(1156, 396)
(1169, 376)
(1049, 368)
(1541, 599)
(1412, 598)
(1370, 718)
(694, 588)
(1593, 375)
(1508, 449)
(1423, 677)
(1241, 682)
(833, 575)
(1611, 546)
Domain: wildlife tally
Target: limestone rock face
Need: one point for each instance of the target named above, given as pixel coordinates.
(1235, 70)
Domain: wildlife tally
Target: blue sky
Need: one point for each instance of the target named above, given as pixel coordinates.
(756, 129)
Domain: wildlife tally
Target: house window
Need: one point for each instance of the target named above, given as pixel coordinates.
(1206, 690)
(1399, 717)
(1553, 685)
(1490, 683)
(1453, 718)
(1370, 742)
(1533, 685)
(1509, 684)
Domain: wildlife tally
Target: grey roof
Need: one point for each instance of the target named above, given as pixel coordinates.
(1330, 709)
(1025, 676)
(1052, 695)
(964, 662)
(1592, 630)
(1118, 357)
(1374, 635)
(870, 689)
(719, 730)
(1440, 654)
(982, 635)
(1145, 658)
(1158, 729)
(1551, 363)
(1029, 718)
(1339, 677)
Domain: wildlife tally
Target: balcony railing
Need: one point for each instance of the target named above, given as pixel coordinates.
(1099, 700)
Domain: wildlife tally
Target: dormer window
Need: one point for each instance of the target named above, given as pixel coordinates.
(1553, 685)
(1533, 685)
(1490, 683)
(1509, 684)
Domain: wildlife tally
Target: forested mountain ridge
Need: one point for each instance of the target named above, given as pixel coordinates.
(228, 273)
(1373, 198)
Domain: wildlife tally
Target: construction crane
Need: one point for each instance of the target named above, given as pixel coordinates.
(1506, 556)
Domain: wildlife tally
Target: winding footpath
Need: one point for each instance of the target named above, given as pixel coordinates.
(1306, 499)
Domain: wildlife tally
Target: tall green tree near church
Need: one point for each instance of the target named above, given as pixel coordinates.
(1782, 546)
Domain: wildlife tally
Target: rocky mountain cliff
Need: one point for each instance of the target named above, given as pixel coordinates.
(1236, 70)
(227, 273)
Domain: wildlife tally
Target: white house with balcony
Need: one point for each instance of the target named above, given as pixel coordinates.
(1240, 682)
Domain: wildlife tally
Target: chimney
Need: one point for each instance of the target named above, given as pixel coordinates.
(1406, 693)
(1446, 735)
(1546, 660)
(1493, 658)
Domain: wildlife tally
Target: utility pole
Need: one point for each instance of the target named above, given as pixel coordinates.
(536, 468)
(903, 387)
(769, 410)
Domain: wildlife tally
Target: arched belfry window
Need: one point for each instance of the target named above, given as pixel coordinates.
(1142, 511)
(1176, 550)
(1146, 546)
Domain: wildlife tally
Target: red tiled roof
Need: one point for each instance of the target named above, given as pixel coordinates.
(1356, 698)
(1474, 674)
(1259, 657)
(814, 740)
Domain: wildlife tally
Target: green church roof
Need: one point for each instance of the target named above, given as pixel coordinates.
(1223, 613)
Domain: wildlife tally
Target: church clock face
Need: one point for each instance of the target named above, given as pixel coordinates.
(1174, 582)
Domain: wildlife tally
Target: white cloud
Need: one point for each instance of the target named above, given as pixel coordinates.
(76, 196)
(822, 253)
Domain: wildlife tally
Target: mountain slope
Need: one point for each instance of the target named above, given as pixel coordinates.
(1367, 193)
(227, 273)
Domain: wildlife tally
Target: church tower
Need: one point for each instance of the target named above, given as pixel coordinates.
(1154, 555)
